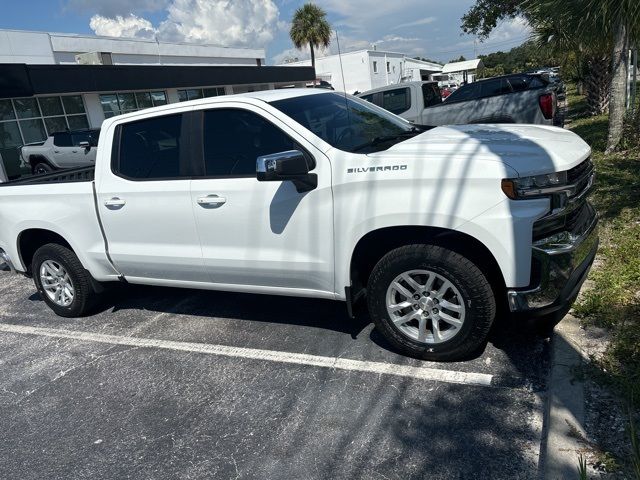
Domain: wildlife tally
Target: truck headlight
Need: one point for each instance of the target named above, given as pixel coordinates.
(535, 186)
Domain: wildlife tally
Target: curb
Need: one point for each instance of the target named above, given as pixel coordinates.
(563, 436)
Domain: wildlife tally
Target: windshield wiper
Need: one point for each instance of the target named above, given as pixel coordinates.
(388, 138)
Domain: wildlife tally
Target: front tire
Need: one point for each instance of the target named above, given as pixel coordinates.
(62, 281)
(431, 303)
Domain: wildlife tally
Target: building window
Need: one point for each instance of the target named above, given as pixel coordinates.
(31, 120)
(124, 102)
(375, 67)
(195, 93)
(388, 67)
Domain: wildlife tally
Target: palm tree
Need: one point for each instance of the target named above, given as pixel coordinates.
(566, 36)
(310, 27)
(614, 23)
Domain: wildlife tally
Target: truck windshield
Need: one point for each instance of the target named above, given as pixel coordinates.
(347, 123)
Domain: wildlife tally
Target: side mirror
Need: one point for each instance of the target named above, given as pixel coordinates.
(286, 166)
(85, 145)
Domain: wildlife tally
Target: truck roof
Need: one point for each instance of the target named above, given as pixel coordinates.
(263, 95)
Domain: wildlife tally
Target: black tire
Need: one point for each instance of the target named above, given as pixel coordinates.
(478, 298)
(42, 168)
(85, 297)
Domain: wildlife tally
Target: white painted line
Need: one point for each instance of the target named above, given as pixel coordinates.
(421, 373)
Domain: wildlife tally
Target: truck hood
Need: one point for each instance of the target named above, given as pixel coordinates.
(527, 149)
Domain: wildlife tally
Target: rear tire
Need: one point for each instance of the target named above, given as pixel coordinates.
(63, 283)
(450, 316)
(42, 168)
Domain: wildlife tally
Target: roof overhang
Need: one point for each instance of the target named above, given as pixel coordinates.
(20, 80)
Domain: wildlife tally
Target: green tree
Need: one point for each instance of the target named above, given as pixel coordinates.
(310, 27)
(567, 36)
(591, 24)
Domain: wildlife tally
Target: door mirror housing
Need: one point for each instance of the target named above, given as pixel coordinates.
(85, 145)
(287, 166)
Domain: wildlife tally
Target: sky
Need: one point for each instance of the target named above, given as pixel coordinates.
(425, 28)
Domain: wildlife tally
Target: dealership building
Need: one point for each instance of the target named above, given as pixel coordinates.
(364, 70)
(52, 82)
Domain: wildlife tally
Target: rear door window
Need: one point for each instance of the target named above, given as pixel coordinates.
(62, 140)
(431, 94)
(497, 86)
(150, 149)
(470, 91)
(521, 83)
(368, 98)
(397, 100)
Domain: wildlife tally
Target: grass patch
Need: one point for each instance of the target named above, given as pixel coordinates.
(613, 299)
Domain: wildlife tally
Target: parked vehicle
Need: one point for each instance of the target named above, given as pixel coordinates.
(517, 98)
(61, 150)
(407, 100)
(312, 193)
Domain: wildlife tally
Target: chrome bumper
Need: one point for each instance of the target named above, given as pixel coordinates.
(5, 262)
(563, 263)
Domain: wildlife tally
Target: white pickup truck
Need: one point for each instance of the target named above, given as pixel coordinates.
(311, 193)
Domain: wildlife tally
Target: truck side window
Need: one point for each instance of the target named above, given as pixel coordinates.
(431, 94)
(62, 140)
(150, 149)
(470, 91)
(234, 139)
(397, 100)
(495, 87)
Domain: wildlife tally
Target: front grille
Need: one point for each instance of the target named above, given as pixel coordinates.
(574, 175)
(575, 221)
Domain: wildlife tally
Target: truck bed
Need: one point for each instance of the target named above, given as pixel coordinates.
(82, 174)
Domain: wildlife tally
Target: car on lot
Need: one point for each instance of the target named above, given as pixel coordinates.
(520, 98)
(407, 100)
(61, 150)
(312, 193)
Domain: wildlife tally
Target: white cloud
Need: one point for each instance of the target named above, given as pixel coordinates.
(221, 22)
(417, 23)
(129, 26)
(238, 23)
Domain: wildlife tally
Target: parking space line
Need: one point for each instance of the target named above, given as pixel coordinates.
(422, 373)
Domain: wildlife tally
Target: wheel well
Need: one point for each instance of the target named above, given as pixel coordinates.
(35, 159)
(376, 244)
(31, 240)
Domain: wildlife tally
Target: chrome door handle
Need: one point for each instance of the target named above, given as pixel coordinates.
(114, 202)
(211, 201)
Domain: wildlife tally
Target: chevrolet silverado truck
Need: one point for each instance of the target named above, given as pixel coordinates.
(312, 193)
(60, 151)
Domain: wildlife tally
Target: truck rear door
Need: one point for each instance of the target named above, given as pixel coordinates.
(145, 203)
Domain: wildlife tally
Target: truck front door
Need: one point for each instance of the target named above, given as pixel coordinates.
(261, 235)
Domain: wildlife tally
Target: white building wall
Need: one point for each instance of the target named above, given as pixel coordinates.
(52, 48)
(25, 47)
(367, 69)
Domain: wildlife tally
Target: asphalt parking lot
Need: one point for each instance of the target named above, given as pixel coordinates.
(188, 384)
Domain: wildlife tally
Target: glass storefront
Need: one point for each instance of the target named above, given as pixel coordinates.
(194, 93)
(124, 102)
(31, 120)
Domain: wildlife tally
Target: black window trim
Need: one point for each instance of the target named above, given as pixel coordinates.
(192, 146)
(198, 153)
(184, 154)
